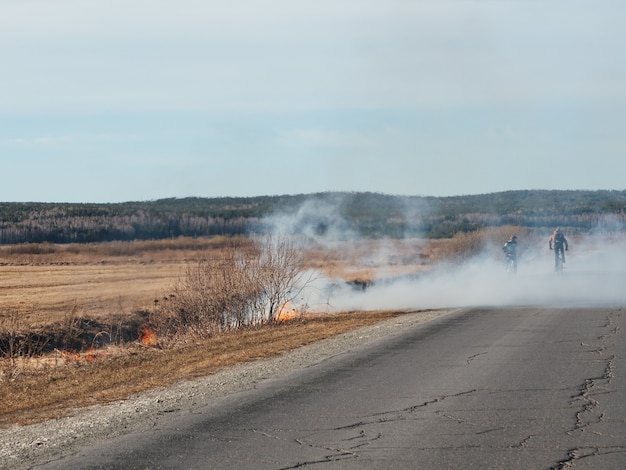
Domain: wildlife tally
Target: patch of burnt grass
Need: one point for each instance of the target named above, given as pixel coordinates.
(74, 334)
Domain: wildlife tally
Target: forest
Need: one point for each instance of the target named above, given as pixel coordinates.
(370, 215)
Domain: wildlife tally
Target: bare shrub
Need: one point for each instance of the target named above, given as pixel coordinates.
(281, 276)
(210, 298)
(18, 340)
(11, 336)
(238, 286)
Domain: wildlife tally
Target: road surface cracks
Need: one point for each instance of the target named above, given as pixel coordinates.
(588, 400)
(349, 446)
(590, 411)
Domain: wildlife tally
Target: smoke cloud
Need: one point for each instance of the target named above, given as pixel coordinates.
(594, 275)
(316, 220)
(591, 278)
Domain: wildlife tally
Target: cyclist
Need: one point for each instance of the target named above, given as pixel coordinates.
(510, 252)
(558, 242)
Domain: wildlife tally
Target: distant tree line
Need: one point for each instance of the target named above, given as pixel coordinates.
(366, 214)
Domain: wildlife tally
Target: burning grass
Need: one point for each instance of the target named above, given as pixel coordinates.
(81, 314)
(30, 396)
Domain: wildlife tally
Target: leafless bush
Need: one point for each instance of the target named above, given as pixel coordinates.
(280, 274)
(17, 340)
(235, 288)
(11, 336)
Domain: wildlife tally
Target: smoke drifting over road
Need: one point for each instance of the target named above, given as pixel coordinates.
(595, 274)
(590, 278)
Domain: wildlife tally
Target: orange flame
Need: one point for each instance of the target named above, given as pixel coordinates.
(87, 356)
(69, 356)
(148, 336)
(287, 313)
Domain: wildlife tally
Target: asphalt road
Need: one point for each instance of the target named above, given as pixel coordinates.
(520, 388)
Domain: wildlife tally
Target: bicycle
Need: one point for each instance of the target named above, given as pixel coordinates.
(559, 261)
(511, 264)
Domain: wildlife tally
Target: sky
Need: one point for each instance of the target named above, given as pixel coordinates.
(135, 100)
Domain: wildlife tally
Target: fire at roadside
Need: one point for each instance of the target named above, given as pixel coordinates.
(74, 341)
(82, 340)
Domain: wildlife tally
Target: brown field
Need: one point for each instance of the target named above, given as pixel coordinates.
(44, 286)
(44, 293)
(46, 282)
(99, 280)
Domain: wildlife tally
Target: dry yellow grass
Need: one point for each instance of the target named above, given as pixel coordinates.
(43, 293)
(44, 284)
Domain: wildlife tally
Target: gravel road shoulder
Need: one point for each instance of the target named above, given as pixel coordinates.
(24, 447)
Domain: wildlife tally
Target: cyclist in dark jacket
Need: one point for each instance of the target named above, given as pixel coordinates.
(510, 251)
(558, 242)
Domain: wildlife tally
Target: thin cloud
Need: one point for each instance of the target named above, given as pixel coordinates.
(54, 140)
(46, 141)
(329, 138)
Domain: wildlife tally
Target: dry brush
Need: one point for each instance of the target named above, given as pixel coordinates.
(235, 288)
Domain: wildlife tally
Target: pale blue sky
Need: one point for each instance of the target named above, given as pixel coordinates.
(108, 101)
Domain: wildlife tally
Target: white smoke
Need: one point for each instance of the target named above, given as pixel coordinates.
(595, 273)
(593, 276)
(315, 219)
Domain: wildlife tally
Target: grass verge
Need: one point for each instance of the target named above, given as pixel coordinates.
(35, 396)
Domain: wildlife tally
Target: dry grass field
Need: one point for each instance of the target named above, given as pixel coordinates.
(44, 286)
(46, 283)
(52, 289)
